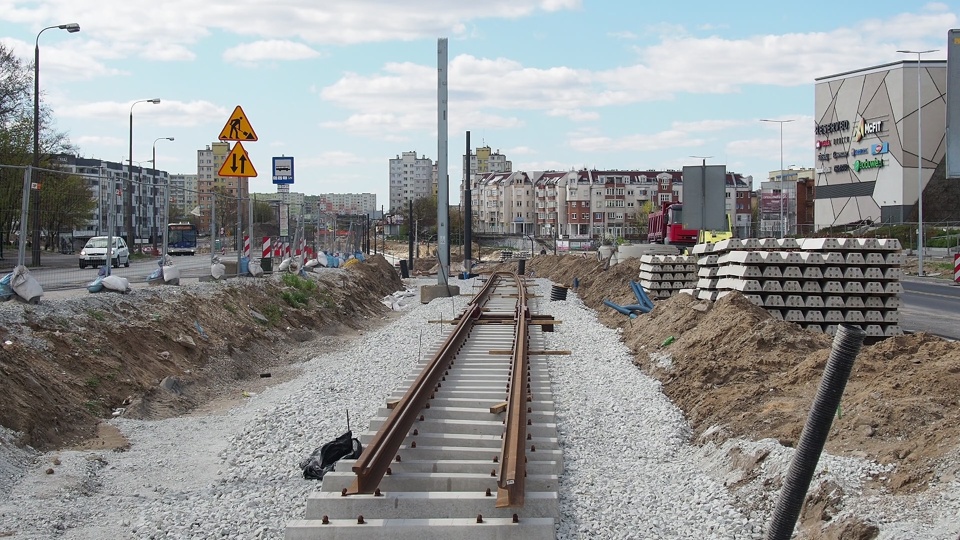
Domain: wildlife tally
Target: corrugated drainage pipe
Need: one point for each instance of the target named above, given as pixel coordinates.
(846, 346)
(558, 292)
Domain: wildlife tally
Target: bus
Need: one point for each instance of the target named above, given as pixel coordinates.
(181, 239)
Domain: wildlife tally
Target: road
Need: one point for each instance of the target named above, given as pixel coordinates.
(932, 306)
(62, 272)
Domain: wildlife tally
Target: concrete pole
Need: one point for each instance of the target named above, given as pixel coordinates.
(443, 180)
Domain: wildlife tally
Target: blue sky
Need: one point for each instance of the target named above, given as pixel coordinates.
(553, 84)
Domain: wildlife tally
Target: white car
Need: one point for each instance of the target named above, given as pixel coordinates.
(95, 252)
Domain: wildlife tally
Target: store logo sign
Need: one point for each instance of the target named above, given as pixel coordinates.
(861, 164)
(823, 143)
(881, 148)
(863, 128)
(860, 151)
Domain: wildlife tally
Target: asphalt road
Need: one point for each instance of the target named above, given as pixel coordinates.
(930, 305)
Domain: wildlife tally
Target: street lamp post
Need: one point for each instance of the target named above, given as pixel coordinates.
(166, 202)
(128, 185)
(919, 161)
(70, 27)
(783, 220)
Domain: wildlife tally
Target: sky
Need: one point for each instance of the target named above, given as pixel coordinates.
(344, 86)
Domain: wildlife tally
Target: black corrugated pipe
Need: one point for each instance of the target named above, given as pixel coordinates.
(846, 346)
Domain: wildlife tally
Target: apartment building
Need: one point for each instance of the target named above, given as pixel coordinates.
(209, 182)
(106, 181)
(588, 203)
(347, 203)
(411, 178)
(184, 194)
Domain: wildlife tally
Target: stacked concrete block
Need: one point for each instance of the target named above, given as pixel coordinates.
(663, 276)
(818, 283)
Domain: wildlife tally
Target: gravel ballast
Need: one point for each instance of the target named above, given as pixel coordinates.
(629, 468)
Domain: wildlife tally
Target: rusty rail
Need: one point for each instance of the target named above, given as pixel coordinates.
(513, 468)
(379, 454)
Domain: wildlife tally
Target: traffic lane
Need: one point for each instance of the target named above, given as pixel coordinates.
(940, 287)
(930, 307)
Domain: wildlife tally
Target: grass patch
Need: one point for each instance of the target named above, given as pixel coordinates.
(93, 407)
(273, 313)
(295, 298)
(301, 284)
(92, 382)
(298, 290)
(231, 308)
(98, 315)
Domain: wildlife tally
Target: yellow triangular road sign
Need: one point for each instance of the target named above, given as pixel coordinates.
(237, 164)
(238, 127)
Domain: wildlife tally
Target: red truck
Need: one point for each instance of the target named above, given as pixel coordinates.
(665, 226)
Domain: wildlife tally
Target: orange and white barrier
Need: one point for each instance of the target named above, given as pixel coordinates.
(246, 246)
(956, 267)
(265, 248)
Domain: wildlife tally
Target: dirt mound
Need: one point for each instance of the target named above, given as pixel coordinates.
(159, 352)
(737, 372)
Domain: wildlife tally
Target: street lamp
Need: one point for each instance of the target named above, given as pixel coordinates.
(919, 160)
(783, 220)
(127, 194)
(71, 27)
(166, 201)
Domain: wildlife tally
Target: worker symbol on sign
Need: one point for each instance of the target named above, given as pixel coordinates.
(238, 128)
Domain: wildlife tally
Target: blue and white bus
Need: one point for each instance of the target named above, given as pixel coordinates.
(181, 239)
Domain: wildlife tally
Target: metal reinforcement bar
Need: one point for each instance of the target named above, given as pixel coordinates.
(513, 468)
(379, 454)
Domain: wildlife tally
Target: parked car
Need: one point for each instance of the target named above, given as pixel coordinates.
(95, 252)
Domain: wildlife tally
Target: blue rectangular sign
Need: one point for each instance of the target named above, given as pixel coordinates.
(283, 170)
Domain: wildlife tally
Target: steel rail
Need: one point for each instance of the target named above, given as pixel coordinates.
(513, 468)
(376, 458)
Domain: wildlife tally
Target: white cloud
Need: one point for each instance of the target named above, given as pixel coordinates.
(168, 53)
(576, 115)
(333, 158)
(258, 51)
(99, 141)
(165, 113)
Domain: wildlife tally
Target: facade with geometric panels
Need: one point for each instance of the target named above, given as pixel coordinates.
(866, 141)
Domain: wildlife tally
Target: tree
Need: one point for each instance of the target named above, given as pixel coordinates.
(226, 207)
(16, 138)
(66, 204)
(643, 215)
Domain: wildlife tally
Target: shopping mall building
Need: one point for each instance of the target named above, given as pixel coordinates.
(866, 141)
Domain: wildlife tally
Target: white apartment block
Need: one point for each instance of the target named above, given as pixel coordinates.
(105, 179)
(411, 178)
(348, 203)
(184, 194)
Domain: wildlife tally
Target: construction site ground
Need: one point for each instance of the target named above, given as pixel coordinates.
(737, 372)
(733, 370)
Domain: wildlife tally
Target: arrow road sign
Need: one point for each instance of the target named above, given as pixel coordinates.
(238, 164)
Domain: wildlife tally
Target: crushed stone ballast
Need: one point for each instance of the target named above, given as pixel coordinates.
(451, 472)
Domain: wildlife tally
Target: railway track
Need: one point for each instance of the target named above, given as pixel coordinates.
(468, 449)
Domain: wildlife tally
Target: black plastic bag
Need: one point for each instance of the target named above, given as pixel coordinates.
(324, 459)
